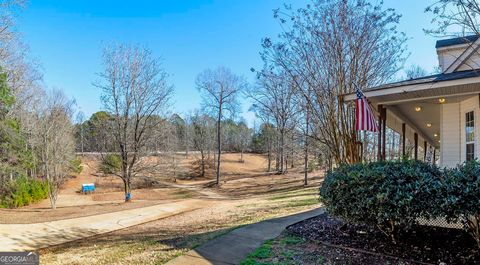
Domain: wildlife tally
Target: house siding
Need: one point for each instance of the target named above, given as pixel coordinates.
(452, 131)
(447, 56)
(450, 135)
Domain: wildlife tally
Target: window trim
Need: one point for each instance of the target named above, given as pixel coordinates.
(474, 134)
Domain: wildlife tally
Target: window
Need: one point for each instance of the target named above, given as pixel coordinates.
(470, 135)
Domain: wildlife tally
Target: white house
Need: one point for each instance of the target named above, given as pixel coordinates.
(442, 111)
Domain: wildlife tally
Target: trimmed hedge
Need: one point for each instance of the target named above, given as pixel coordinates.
(389, 195)
(394, 195)
(22, 191)
(460, 200)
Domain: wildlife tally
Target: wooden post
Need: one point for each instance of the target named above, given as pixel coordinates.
(415, 137)
(379, 154)
(425, 150)
(384, 130)
(403, 140)
(434, 155)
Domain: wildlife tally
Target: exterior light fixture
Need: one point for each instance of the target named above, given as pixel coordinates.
(441, 100)
(418, 108)
(435, 135)
(429, 125)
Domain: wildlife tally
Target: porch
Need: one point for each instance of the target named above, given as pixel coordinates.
(435, 117)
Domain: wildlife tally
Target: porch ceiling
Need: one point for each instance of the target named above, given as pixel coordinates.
(428, 115)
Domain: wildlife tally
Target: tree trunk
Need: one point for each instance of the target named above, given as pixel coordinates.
(292, 153)
(269, 159)
(202, 174)
(219, 147)
(281, 152)
(126, 184)
(306, 147)
(186, 141)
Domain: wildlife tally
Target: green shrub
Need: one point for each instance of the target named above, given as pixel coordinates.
(76, 165)
(22, 191)
(390, 195)
(111, 163)
(460, 200)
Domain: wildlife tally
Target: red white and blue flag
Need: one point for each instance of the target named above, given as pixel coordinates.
(365, 119)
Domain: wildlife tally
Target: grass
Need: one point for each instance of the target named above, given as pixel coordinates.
(157, 242)
(275, 252)
(303, 202)
(183, 194)
(296, 193)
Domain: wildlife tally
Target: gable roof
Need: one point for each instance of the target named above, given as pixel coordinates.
(456, 41)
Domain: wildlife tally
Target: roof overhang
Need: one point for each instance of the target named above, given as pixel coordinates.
(404, 93)
(402, 98)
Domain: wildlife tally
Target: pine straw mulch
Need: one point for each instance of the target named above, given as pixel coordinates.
(360, 244)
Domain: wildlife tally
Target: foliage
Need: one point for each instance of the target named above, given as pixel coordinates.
(111, 163)
(460, 197)
(14, 157)
(23, 191)
(389, 195)
(76, 165)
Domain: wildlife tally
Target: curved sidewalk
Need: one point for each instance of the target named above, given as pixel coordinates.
(22, 237)
(235, 246)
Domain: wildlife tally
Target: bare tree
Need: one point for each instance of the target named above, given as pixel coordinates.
(55, 142)
(220, 89)
(415, 71)
(80, 119)
(455, 17)
(327, 48)
(135, 90)
(201, 136)
(243, 139)
(274, 95)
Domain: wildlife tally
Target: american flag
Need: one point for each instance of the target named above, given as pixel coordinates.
(365, 119)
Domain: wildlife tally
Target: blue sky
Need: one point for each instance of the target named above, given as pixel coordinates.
(66, 37)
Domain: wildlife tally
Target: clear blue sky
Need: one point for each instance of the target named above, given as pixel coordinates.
(66, 37)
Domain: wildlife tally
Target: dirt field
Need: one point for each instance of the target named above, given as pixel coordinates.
(239, 180)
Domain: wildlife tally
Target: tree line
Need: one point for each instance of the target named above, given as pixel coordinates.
(36, 132)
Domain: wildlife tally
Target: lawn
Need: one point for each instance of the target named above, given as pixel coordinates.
(162, 240)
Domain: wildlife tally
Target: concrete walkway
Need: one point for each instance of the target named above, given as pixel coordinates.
(21, 237)
(235, 246)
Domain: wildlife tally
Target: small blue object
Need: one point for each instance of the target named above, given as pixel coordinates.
(128, 196)
(88, 188)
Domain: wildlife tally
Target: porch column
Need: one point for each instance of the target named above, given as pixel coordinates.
(384, 130)
(403, 139)
(425, 150)
(379, 152)
(415, 137)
